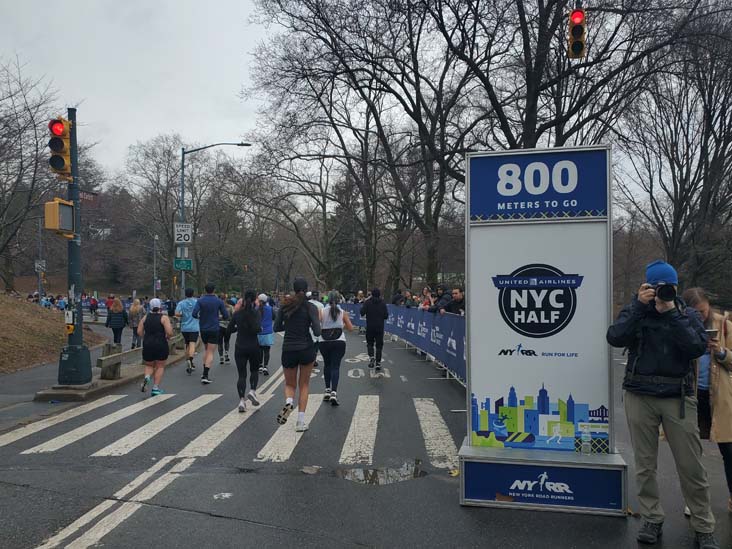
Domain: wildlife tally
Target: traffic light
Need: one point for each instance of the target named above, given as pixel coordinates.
(60, 145)
(59, 217)
(577, 48)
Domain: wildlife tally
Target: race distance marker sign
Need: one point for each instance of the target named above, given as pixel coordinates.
(539, 287)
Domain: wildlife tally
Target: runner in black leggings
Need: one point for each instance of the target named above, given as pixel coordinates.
(246, 322)
(375, 311)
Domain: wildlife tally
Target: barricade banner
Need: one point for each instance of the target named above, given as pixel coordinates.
(440, 336)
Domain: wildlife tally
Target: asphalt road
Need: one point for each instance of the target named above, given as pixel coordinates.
(189, 471)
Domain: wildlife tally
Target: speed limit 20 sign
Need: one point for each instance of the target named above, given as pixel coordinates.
(183, 233)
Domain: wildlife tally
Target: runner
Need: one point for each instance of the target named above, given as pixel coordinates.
(155, 329)
(207, 310)
(333, 345)
(224, 334)
(246, 323)
(188, 327)
(375, 311)
(314, 298)
(136, 314)
(266, 336)
(94, 308)
(295, 318)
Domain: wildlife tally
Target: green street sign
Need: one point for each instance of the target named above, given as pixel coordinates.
(183, 264)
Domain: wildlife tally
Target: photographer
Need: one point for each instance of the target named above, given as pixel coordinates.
(663, 337)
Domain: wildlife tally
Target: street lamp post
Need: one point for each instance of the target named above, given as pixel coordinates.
(155, 266)
(181, 198)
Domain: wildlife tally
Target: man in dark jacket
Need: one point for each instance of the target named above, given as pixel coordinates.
(376, 312)
(663, 337)
(397, 299)
(443, 299)
(457, 304)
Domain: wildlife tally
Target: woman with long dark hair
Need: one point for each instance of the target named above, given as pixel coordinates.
(247, 324)
(333, 345)
(296, 318)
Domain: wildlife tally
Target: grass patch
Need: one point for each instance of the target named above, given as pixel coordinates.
(32, 335)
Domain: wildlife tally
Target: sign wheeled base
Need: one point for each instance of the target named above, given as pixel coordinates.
(543, 480)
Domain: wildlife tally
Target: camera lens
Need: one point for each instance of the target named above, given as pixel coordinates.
(666, 292)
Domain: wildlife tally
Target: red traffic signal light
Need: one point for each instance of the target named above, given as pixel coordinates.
(56, 127)
(576, 44)
(577, 17)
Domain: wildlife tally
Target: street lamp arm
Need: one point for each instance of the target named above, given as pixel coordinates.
(241, 144)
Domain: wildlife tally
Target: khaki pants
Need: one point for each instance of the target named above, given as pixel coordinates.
(644, 414)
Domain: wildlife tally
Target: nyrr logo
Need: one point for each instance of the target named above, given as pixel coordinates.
(517, 351)
(422, 329)
(400, 321)
(544, 485)
(537, 300)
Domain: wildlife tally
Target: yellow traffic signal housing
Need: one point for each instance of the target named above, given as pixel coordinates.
(59, 217)
(60, 145)
(577, 41)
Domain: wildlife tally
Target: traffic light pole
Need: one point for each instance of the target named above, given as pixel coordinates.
(75, 362)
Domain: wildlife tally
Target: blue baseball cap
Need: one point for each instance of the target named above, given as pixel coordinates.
(660, 271)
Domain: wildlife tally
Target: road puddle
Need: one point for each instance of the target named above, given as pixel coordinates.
(384, 475)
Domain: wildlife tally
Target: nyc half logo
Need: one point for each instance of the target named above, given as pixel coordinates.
(537, 300)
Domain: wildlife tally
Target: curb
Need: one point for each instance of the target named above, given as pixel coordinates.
(98, 386)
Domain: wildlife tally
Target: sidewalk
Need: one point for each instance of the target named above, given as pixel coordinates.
(18, 389)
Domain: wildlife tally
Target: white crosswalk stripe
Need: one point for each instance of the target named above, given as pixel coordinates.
(17, 434)
(138, 437)
(207, 441)
(361, 438)
(280, 447)
(438, 441)
(96, 425)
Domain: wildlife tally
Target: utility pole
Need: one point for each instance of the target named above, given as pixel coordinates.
(155, 266)
(75, 363)
(182, 217)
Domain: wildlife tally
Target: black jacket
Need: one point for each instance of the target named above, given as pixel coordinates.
(376, 313)
(442, 303)
(660, 345)
(297, 327)
(455, 307)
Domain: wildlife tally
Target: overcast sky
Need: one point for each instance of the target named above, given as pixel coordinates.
(138, 68)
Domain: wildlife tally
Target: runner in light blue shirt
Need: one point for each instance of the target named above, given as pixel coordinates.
(188, 326)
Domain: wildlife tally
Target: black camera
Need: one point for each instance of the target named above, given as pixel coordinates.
(665, 292)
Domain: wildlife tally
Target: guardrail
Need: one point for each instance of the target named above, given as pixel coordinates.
(440, 337)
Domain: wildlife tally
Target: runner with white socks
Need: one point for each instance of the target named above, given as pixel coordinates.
(296, 317)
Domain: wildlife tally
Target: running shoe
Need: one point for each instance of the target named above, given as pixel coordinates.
(205, 380)
(372, 362)
(285, 413)
(326, 396)
(334, 399)
(301, 427)
(156, 391)
(226, 358)
(261, 369)
(221, 361)
(242, 405)
(378, 367)
(145, 381)
(252, 396)
(265, 371)
(189, 367)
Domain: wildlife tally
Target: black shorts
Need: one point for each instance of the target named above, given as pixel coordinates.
(293, 359)
(190, 337)
(210, 338)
